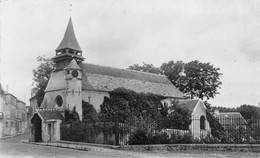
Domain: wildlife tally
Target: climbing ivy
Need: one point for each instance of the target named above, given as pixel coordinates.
(126, 104)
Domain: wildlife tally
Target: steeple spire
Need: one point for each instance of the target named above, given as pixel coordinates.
(69, 40)
(68, 49)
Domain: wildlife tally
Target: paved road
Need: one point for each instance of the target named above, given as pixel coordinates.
(13, 148)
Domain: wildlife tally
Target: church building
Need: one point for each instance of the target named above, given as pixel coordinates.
(73, 81)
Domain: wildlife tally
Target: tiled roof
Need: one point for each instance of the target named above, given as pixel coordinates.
(228, 118)
(101, 78)
(189, 104)
(50, 114)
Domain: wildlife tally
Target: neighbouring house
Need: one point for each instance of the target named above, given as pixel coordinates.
(73, 81)
(2, 104)
(199, 126)
(13, 115)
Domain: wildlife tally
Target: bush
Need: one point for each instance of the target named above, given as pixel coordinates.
(159, 138)
(177, 138)
(209, 140)
(144, 137)
(138, 137)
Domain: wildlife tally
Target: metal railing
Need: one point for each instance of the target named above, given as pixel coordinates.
(196, 130)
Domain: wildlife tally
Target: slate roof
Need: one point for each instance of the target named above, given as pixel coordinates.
(102, 78)
(50, 114)
(69, 40)
(189, 104)
(228, 118)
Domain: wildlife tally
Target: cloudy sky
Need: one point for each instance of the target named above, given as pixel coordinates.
(120, 33)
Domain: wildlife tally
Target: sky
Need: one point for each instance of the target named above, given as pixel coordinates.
(120, 33)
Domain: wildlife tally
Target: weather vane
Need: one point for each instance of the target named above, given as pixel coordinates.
(70, 7)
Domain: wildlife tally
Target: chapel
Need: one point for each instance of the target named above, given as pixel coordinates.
(73, 81)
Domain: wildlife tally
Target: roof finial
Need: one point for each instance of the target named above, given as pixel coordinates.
(70, 7)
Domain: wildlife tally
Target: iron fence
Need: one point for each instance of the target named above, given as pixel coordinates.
(183, 130)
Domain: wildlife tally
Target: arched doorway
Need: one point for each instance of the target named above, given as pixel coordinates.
(37, 128)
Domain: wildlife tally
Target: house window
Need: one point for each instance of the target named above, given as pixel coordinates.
(6, 124)
(202, 122)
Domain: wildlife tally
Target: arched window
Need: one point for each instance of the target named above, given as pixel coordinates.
(202, 122)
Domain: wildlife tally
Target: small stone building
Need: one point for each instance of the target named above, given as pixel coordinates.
(199, 126)
(46, 125)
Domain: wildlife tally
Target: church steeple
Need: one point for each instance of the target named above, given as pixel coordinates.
(68, 49)
(69, 40)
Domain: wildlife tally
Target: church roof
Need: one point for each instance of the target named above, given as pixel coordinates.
(102, 78)
(50, 114)
(73, 65)
(69, 40)
(189, 104)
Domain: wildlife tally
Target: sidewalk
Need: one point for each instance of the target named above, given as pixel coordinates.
(7, 137)
(108, 149)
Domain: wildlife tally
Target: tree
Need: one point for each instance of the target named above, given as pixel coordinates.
(145, 68)
(89, 113)
(249, 112)
(71, 115)
(41, 77)
(198, 79)
(175, 72)
(180, 117)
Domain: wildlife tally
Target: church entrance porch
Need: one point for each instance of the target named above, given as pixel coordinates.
(36, 128)
(46, 125)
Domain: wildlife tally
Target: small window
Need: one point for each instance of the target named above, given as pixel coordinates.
(202, 122)
(59, 100)
(6, 124)
(89, 99)
(75, 73)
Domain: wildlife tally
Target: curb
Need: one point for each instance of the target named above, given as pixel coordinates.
(90, 144)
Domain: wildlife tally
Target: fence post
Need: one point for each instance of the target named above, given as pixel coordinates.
(117, 131)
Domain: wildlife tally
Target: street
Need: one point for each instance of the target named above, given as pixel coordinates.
(13, 148)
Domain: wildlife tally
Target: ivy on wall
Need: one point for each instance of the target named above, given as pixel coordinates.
(124, 104)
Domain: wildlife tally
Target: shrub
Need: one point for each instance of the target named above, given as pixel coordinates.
(178, 138)
(209, 139)
(138, 137)
(159, 138)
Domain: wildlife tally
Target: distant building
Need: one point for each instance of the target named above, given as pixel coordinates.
(229, 119)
